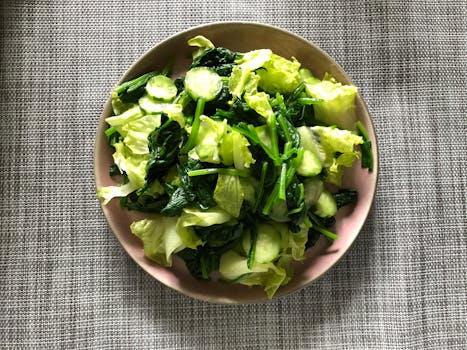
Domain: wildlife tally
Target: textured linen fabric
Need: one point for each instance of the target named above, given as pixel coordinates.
(65, 282)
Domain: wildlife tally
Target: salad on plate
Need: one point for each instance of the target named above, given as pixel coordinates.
(238, 163)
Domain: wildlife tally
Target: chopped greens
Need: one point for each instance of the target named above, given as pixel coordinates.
(367, 153)
(232, 161)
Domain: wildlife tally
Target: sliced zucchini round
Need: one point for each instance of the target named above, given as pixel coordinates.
(326, 206)
(161, 87)
(310, 164)
(268, 243)
(150, 106)
(313, 189)
(203, 82)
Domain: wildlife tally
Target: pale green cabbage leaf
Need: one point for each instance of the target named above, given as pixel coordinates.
(229, 194)
(269, 276)
(338, 107)
(333, 146)
(279, 75)
(109, 192)
(208, 139)
(161, 238)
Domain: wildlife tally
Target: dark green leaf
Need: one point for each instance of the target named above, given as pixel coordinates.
(113, 136)
(220, 102)
(246, 114)
(144, 203)
(198, 190)
(177, 202)
(288, 132)
(219, 59)
(345, 196)
(219, 239)
(179, 84)
(114, 170)
(313, 237)
(164, 144)
(367, 153)
(200, 262)
(217, 236)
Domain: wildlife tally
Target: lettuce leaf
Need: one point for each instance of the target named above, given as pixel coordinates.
(293, 243)
(264, 135)
(229, 194)
(134, 165)
(336, 140)
(131, 155)
(155, 190)
(119, 121)
(161, 238)
(248, 186)
(208, 139)
(259, 101)
(145, 124)
(108, 192)
(198, 217)
(226, 152)
(338, 107)
(137, 142)
(279, 75)
(242, 80)
(255, 59)
(276, 276)
(215, 145)
(136, 132)
(296, 244)
(333, 146)
(201, 42)
(270, 276)
(242, 157)
(243, 76)
(307, 77)
(118, 105)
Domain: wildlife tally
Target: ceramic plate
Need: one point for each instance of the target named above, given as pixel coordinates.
(241, 37)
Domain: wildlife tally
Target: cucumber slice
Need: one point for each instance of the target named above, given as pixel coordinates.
(161, 87)
(279, 212)
(313, 189)
(310, 164)
(268, 243)
(149, 106)
(233, 265)
(326, 206)
(173, 110)
(202, 82)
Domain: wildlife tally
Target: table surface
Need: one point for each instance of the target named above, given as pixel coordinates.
(65, 282)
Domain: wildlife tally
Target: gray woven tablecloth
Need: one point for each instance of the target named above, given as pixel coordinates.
(66, 283)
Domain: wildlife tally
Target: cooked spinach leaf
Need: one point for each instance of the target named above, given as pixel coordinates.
(219, 59)
(219, 239)
(144, 203)
(178, 201)
(164, 145)
(198, 189)
(345, 196)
